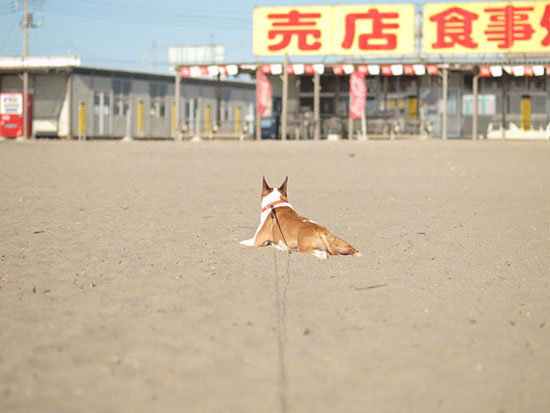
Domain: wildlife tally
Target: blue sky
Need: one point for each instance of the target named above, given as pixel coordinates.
(135, 34)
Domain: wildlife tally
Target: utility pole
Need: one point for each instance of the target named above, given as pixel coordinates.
(25, 71)
(27, 23)
(177, 99)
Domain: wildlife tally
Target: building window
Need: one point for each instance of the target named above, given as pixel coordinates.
(539, 104)
(187, 109)
(97, 103)
(121, 106)
(157, 93)
(121, 92)
(106, 104)
(226, 94)
(157, 108)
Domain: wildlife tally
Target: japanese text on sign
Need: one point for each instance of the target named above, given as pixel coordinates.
(342, 30)
(496, 27)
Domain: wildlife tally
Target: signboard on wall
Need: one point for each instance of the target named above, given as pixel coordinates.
(196, 55)
(496, 27)
(447, 28)
(338, 30)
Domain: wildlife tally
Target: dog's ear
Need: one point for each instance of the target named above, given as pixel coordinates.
(282, 188)
(265, 188)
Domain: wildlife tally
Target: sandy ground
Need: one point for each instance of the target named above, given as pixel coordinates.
(123, 287)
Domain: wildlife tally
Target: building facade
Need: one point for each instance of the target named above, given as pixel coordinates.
(406, 105)
(87, 102)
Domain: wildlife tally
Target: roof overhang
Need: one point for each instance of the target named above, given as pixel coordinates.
(38, 62)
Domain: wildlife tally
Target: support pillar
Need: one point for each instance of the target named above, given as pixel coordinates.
(177, 99)
(69, 99)
(316, 105)
(504, 94)
(474, 109)
(385, 128)
(284, 108)
(218, 104)
(445, 98)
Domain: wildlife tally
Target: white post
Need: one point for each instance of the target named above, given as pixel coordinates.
(192, 116)
(364, 136)
(69, 98)
(198, 120)
(111, 110)
(128, 136)
(101, 108)
(177, 101)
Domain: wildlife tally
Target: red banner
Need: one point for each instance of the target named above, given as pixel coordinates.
(263, 94)
(358, 90)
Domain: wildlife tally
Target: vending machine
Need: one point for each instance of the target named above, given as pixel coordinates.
(11, 114)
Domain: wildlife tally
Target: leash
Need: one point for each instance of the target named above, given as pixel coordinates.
(281, 319)
(274, 215)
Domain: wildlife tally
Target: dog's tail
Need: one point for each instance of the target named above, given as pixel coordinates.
(336, 245)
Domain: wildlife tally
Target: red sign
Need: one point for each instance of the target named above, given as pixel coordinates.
(358, 90)
(263, 95)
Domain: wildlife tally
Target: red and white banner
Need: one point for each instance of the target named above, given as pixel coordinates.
(358, 90)
(298, 69)
(517, 71)
(263, 95)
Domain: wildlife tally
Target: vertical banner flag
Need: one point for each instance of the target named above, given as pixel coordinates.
(358, 90)
(263, 95)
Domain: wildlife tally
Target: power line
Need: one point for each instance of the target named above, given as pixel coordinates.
(193, 23)
(8, 36)
(136, 14)
(9, 7)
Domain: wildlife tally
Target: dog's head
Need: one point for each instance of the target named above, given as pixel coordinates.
(270, 195)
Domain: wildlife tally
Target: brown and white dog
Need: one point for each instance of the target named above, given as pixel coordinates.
(281, 226)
